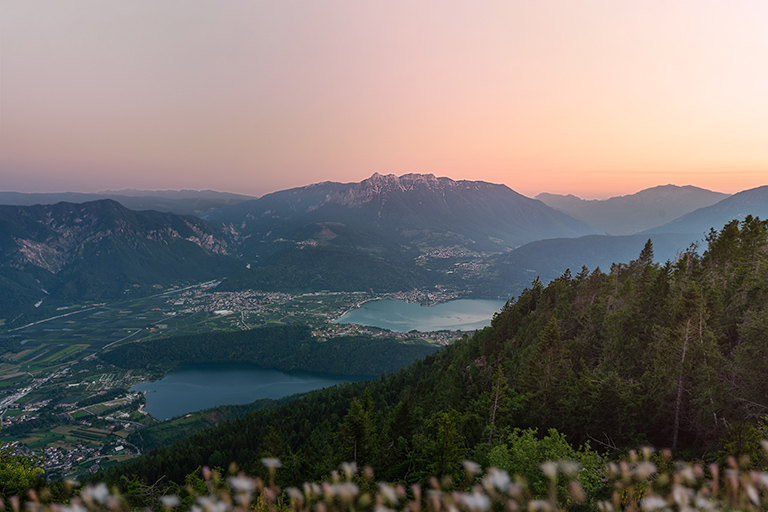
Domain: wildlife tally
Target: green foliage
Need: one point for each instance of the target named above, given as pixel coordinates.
(317, 269)
(17, 474)
(524, 452)
(356, 433)
(166, 432)
(282, 347)
(440, 446)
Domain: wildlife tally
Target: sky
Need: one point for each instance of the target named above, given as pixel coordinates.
(596, 98)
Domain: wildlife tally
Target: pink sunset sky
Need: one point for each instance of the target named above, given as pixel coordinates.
(595, 98)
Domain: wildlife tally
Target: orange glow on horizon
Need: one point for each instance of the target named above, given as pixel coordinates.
(595, 99)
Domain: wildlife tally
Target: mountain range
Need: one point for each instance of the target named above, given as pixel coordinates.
(410, 211)
(181, 202)
(386, 233)
(630, 214)
(738, 206)
(380, 233)
(101, 250)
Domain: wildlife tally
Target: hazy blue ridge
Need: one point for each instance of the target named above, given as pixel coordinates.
(634, 213)
(738, 206)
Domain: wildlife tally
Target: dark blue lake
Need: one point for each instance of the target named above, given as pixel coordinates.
(201, 386)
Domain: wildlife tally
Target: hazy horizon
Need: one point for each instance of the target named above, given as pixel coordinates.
(147, 190)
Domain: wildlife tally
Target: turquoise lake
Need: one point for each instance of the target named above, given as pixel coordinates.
(396, 315)
(201, 386)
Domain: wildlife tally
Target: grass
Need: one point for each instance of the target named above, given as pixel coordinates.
(41, 440)
(65, 353)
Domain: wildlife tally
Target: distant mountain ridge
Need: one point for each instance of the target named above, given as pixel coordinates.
(181, 202)
(100, 249)
(409, 209)
(699, 222)
(370, 235)
(385, 233)
(634, 213)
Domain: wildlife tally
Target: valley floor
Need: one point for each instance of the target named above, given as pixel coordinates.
(59, 401)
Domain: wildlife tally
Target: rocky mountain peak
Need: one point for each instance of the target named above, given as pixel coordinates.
(379, 185)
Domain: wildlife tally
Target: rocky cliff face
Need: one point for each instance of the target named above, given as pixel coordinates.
(99, 249)
(54, 236)
(381, 186)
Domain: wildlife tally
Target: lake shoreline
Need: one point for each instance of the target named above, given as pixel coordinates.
(406, 316)
(194, 387)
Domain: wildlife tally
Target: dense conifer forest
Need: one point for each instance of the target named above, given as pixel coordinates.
(673, 355)
(281, 347)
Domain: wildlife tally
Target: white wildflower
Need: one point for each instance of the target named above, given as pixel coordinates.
(644, 470)
(241, 484)
(754, 497)
(477, 501)
(498, 479)
(681, 495)
(549, 469)
(653, 503)
(170, 501)
(472, 468)
(75, 507)
(99, 493)
(569, 468)
(647, 452)
(704, 503)
(312, 489)
(346, 491)
(349, 469)
(294, 494)
(539, 505)
(271, 462)
(212, 504)
(388, 493)
(687, 475)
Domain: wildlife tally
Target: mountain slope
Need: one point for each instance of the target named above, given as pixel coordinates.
(510, 273)
(738, 206)
(369, 235)
(99, 250)
(630, 214)
(408, 210)
(671, 356)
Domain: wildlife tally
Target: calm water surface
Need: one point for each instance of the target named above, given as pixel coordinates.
(396, 315)
(201, 386)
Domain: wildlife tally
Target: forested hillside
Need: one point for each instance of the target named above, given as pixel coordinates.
(280, 347)
(668, 354)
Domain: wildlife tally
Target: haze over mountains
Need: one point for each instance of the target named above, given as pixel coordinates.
(182, 202)
(633, 213)
(386, 233)
(738, 206)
